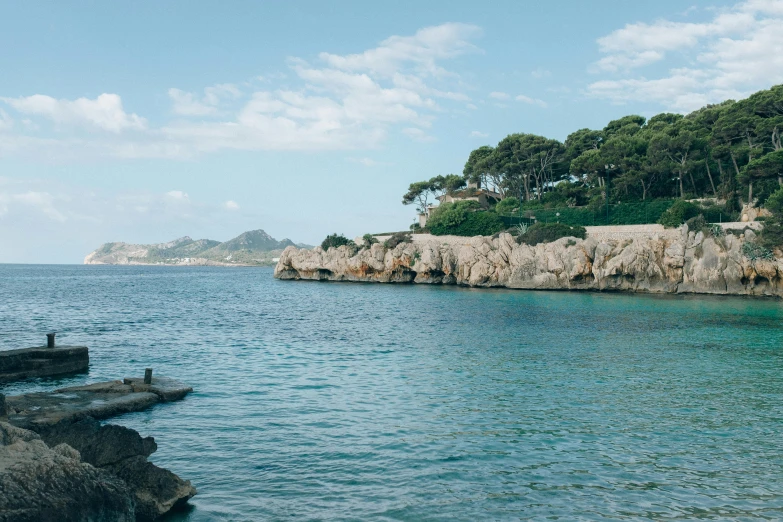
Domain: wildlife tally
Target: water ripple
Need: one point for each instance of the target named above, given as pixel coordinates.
(356, 402)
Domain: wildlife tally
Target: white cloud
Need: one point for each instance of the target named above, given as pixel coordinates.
(531, 101)
(540, 72)
(5, 121)
(418, 135)
(471, 107)
(177, 195)
(367, 162)
(104, 112)
(231, 205)
(478, 134)
(424, 49)
(339, 102)
(188, 104)
(497, 95)
(616, 62)
(42, 202)
(738, 51)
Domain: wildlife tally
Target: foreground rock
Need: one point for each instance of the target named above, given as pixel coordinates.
(685, 262)
(67, 418)
(123, 453)
(42, 362)
(39, 483)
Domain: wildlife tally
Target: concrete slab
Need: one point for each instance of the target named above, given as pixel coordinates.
(100, 401)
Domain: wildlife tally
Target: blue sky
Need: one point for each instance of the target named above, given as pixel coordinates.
(145, 121)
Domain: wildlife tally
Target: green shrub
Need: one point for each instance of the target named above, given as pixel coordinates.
(697, 224)
(336, 240)
(518, 230)
(754, 251)
(548, 232)
(678, 213)
(397, 238)
(507, 206)
(772, 234)
(716, 230)
(450, 215)
(479, 224)
(369, 240)
(463, 218)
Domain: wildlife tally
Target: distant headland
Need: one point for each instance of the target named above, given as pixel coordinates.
(252, 248)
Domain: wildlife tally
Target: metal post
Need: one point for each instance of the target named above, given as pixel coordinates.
(50, 339)
(148, 376)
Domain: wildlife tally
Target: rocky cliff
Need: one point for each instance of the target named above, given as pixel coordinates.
(684, 262)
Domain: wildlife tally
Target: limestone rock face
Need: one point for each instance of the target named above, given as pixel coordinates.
(123, 453)
(687, 262)
(43, 484)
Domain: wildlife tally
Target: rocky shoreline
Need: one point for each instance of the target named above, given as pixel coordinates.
(674, 262)
(59, 463)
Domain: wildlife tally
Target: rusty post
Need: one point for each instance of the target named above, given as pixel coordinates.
(148, 376)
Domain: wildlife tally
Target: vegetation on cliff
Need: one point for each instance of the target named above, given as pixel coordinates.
(336, 240)
(462, 219)
(729, 153)
(548, 232)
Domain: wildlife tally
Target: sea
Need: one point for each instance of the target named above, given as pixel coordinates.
(354, 402)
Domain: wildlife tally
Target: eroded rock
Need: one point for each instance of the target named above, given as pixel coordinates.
(123, 453)
(43, 484)
(67, 419)
(675, 262)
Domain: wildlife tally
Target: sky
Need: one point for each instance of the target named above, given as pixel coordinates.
(146, 121)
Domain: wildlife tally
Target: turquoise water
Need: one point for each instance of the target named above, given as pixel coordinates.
(339, 401)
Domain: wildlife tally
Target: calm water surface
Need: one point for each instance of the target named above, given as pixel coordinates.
(380, 402)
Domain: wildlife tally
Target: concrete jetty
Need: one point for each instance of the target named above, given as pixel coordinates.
(100, 401)
(43, 361)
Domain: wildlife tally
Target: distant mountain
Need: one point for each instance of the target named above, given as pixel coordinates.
(255, 247)
(255, 240)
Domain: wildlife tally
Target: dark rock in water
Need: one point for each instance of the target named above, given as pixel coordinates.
(157, 490)
(68, 418)
(42, 362)
(43, 484)
(99, 445)
(123, 453)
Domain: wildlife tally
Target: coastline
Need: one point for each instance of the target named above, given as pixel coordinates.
(637, 260)
(207, 263)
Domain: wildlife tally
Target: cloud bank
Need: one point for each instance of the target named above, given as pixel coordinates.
(339, 102)
(736, 52)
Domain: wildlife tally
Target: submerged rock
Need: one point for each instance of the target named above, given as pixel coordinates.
(671, 262)
(39, 483)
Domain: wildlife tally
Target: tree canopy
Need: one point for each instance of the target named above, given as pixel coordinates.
(731, 151)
